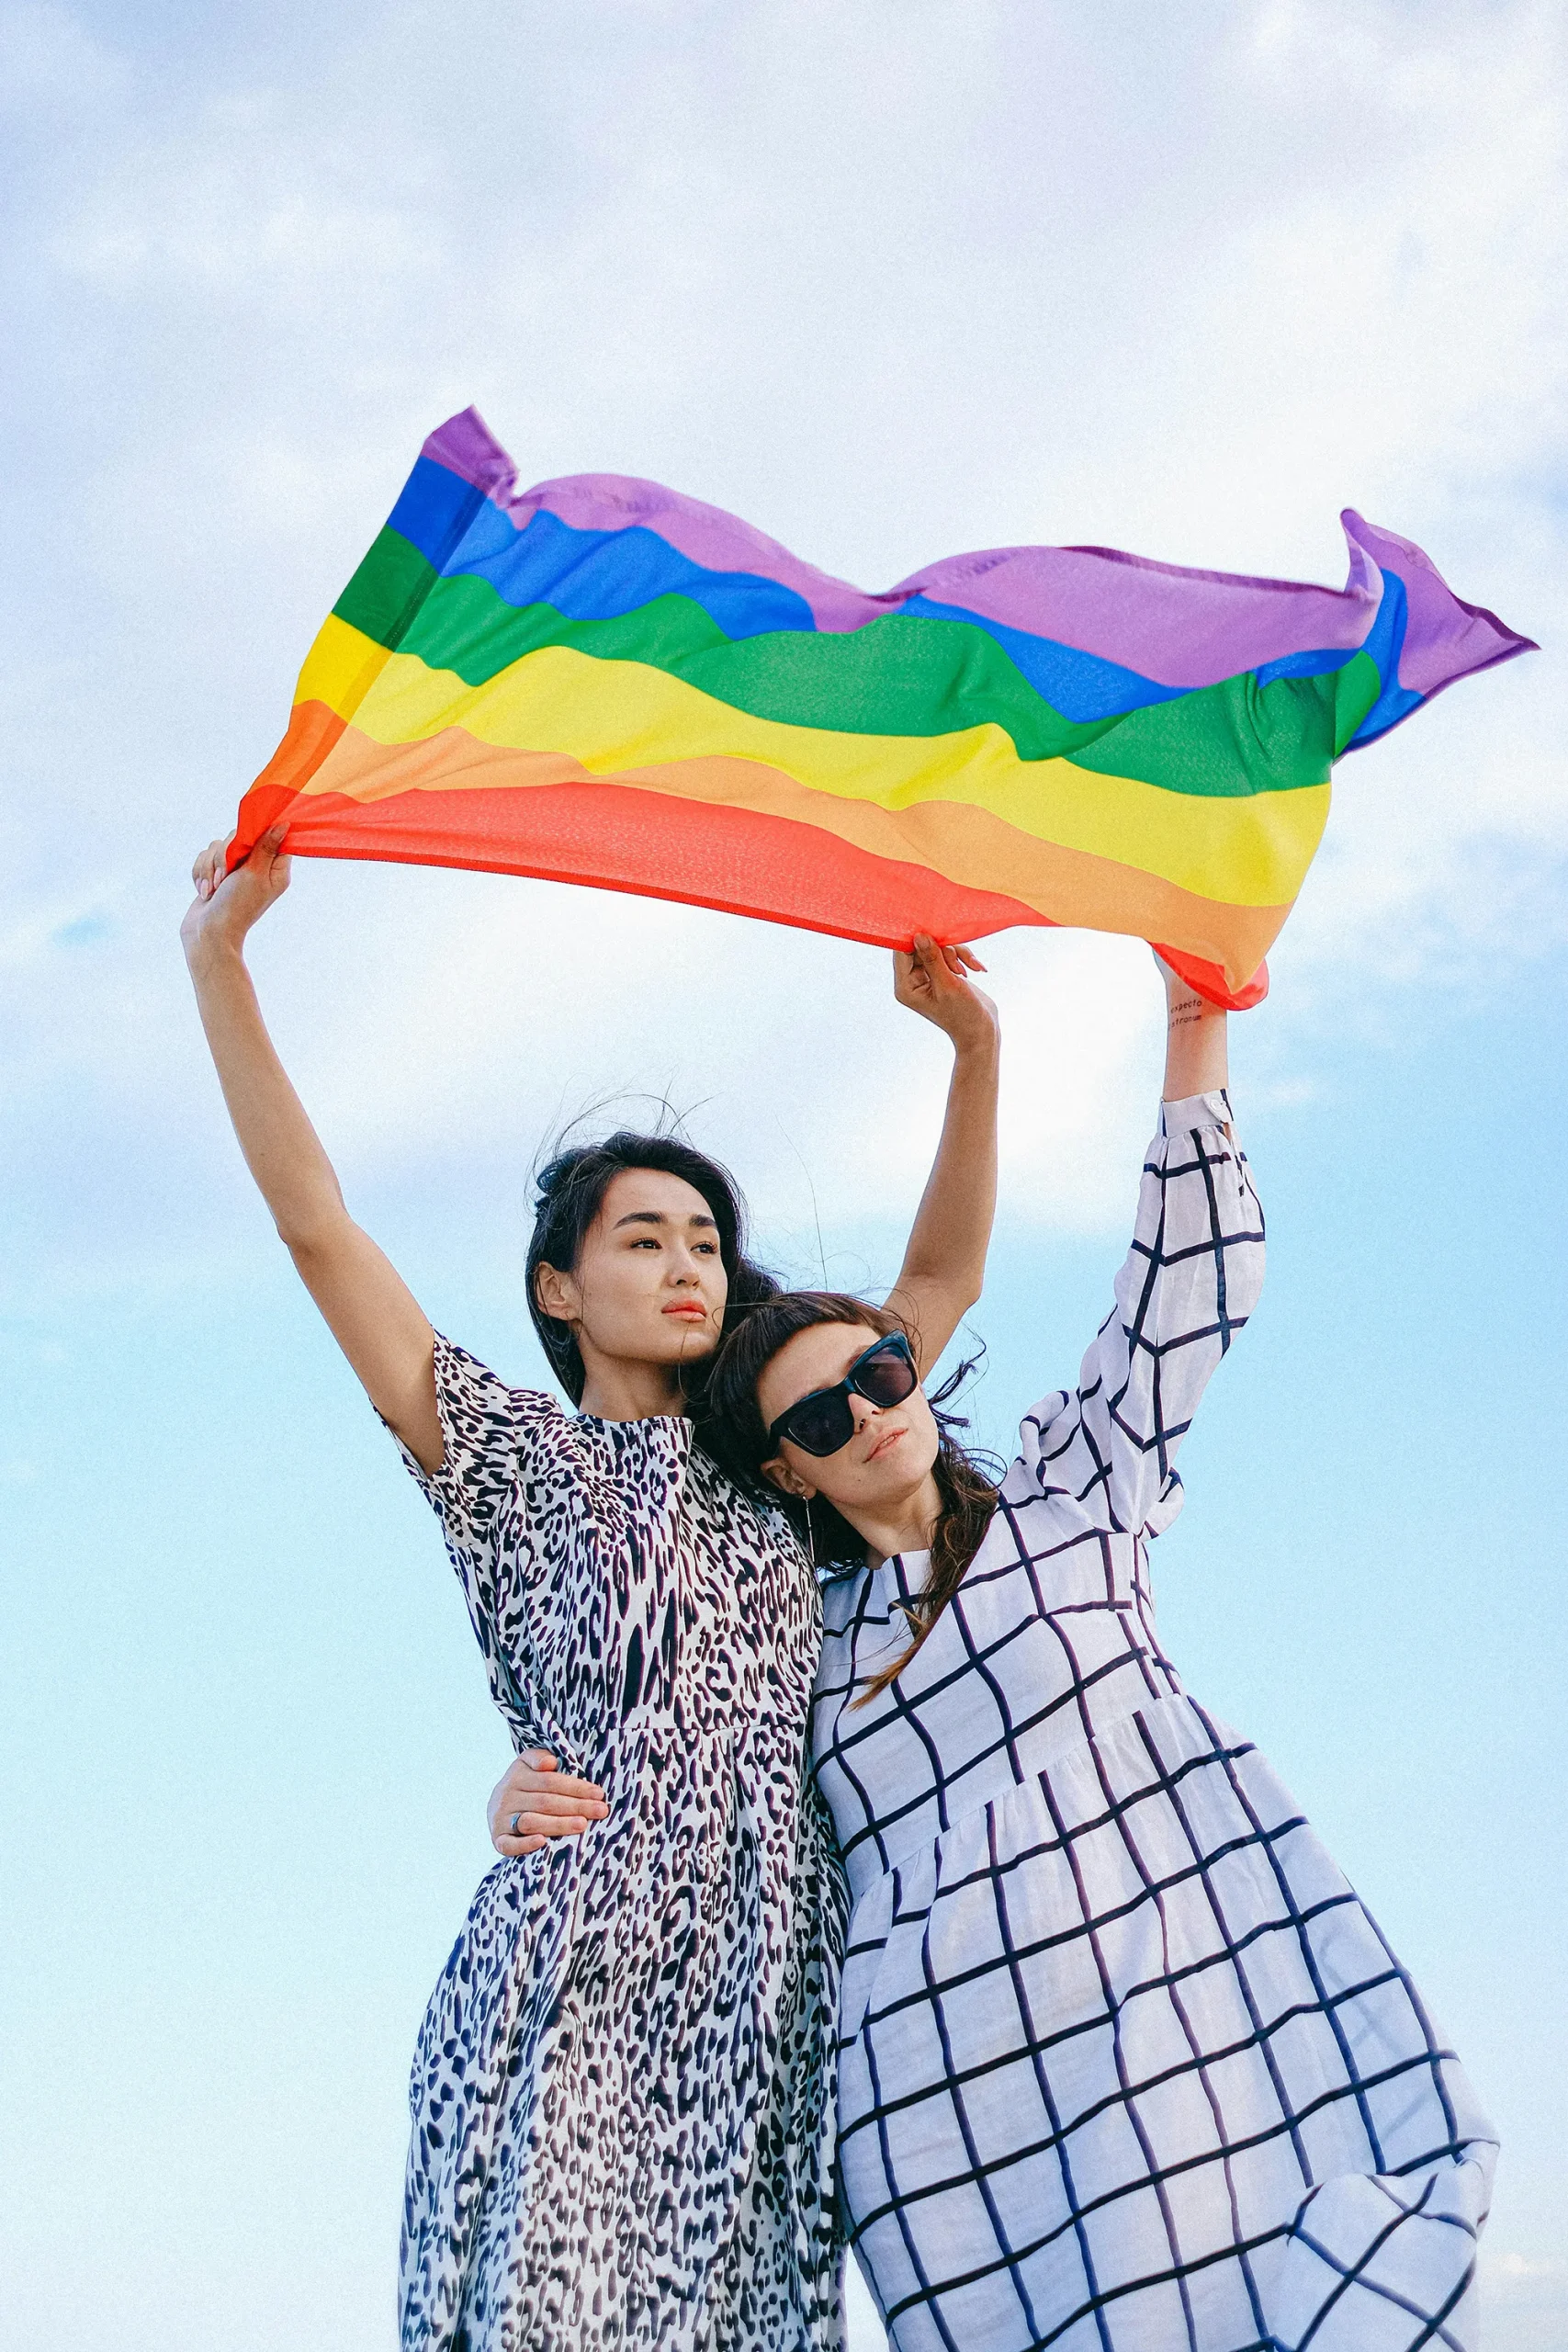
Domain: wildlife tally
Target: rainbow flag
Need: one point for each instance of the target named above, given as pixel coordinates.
(602, 681)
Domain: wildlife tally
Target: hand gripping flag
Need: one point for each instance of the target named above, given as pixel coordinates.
(602, 681)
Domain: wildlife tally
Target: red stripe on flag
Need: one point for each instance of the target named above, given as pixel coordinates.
(737, 860)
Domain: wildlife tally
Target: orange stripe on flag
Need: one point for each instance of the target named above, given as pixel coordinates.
(738, 861)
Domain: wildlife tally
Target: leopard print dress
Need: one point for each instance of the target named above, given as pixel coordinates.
(622, 2094)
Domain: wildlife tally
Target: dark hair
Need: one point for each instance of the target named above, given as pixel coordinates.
(735, 1435)
(571, 1189)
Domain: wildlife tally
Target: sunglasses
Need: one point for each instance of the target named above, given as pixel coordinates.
(824, 1422)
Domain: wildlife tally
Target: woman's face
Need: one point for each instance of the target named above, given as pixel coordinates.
(649, 1284)
(889, 1458)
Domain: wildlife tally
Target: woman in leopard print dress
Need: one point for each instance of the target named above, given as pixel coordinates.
(622, 2119)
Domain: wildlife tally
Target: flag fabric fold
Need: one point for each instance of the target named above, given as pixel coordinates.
(601, 681)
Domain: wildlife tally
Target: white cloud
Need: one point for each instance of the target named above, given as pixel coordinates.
(892, 281)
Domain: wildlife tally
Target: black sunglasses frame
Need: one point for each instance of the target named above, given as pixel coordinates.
(896, 1343)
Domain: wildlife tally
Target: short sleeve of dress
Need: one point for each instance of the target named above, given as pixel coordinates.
(492, 1437)
(484, 1428)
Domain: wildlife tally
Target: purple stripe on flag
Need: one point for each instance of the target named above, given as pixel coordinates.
(1179, 627)
(1445, 638)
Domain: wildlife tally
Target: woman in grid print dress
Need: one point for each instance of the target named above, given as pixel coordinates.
(622, 2092)
(1123, 2062)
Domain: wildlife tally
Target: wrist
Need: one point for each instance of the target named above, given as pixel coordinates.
(978, 1052)
(209, 956)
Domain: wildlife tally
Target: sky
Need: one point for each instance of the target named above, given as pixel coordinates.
(891, 279)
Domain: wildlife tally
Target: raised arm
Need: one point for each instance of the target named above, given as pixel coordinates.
(944, 1262)
(1188, 1286)
(1196, 1055)
(372, 1313)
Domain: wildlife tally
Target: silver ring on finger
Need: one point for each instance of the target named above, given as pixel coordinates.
(516, 1832)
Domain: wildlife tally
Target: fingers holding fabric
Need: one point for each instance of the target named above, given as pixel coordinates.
(227, 905)
(933, 980)
(207, 871)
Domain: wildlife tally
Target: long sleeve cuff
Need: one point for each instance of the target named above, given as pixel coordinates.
(1196, 1111)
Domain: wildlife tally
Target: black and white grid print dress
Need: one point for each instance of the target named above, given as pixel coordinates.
(622, 2093)
(1124, 2065)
